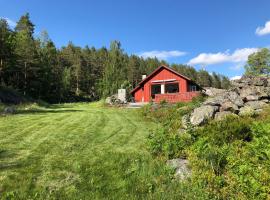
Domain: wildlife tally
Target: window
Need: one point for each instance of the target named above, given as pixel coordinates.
(155, 89)
(192, 88)
(172, 88)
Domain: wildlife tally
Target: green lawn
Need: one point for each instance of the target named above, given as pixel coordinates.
(79, 151)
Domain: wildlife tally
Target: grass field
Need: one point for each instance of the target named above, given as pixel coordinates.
(79, 151)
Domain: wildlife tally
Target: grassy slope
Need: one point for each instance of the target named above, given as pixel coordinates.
(78, 151)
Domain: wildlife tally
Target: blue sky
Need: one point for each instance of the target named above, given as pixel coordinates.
(216, 35)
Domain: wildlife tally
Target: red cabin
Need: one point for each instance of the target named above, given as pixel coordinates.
(165, 84)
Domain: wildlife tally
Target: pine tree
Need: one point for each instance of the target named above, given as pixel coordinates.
(6, 50)
(26, 52)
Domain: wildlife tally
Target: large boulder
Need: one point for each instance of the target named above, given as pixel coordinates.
(181, 168)
(202, 114)
(252, 98)
(216, 101)
(235, 98)
(256, 105)
(251, 92)
(9, 110)
(229, 106)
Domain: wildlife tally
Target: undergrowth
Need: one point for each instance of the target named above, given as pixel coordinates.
(230, 159)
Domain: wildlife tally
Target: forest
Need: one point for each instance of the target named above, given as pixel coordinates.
(35, 67)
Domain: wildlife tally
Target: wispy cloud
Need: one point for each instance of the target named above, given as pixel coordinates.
(235, 77)
(263, 30)
(238, 66)
(10, 22)
(238, 56)
(162, 55)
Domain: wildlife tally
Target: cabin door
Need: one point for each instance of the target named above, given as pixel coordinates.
(155, 89)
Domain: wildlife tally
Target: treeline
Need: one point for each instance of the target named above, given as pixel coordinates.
(36, 68)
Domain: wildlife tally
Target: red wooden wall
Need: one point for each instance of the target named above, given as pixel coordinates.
(145, 92)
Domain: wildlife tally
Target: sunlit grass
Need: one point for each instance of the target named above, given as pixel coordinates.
(79, 151)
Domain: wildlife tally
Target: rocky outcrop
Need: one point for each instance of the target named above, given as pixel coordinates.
(248, 96)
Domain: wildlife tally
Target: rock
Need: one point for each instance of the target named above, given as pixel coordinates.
(210, 91)
(252, 98)
(202, 114)
(9, 110)
(181, 168)
(251, 80)
(223, 114)
(112, 99)
(261, 92)
(260, 81)
(235, 98)
(229, 106)
(185, 121)
(246, 111)
(108, 100)
(215, 101)
(265, 100)
(256, 104)
(268, 82)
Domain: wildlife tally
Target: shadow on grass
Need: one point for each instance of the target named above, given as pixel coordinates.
(46, 111)
(4, 164)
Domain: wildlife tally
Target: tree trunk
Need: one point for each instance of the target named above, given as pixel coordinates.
(77, 85)
(25, 76)
(1, 68)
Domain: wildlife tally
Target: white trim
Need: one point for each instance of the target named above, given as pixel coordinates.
(167, 80)
(162, 88)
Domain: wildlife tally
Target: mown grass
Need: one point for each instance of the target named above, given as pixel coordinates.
(80, 151)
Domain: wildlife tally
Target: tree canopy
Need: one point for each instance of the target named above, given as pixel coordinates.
(36, 68)
(258, 63)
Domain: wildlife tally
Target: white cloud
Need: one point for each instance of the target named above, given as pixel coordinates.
(263, 30)
(162, 54)
(10, 22)
(238, 66)
(239, 55)
(235, 77)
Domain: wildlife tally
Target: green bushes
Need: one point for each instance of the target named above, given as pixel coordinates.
(168, 140)
(230, 159)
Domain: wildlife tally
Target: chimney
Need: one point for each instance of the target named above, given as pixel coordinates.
(143, 77)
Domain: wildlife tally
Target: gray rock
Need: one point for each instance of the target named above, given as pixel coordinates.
(185, 121)
(260, 81)
(268, 82)
(261, 92)
(235, 98)
(252, 98)
(202, 114)
(256, 104)
(181, 168)
(265, 100)
(229, 106)
(211, 92)
(9, 110)
(108, 100)
(222, 115)
(215, 101)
